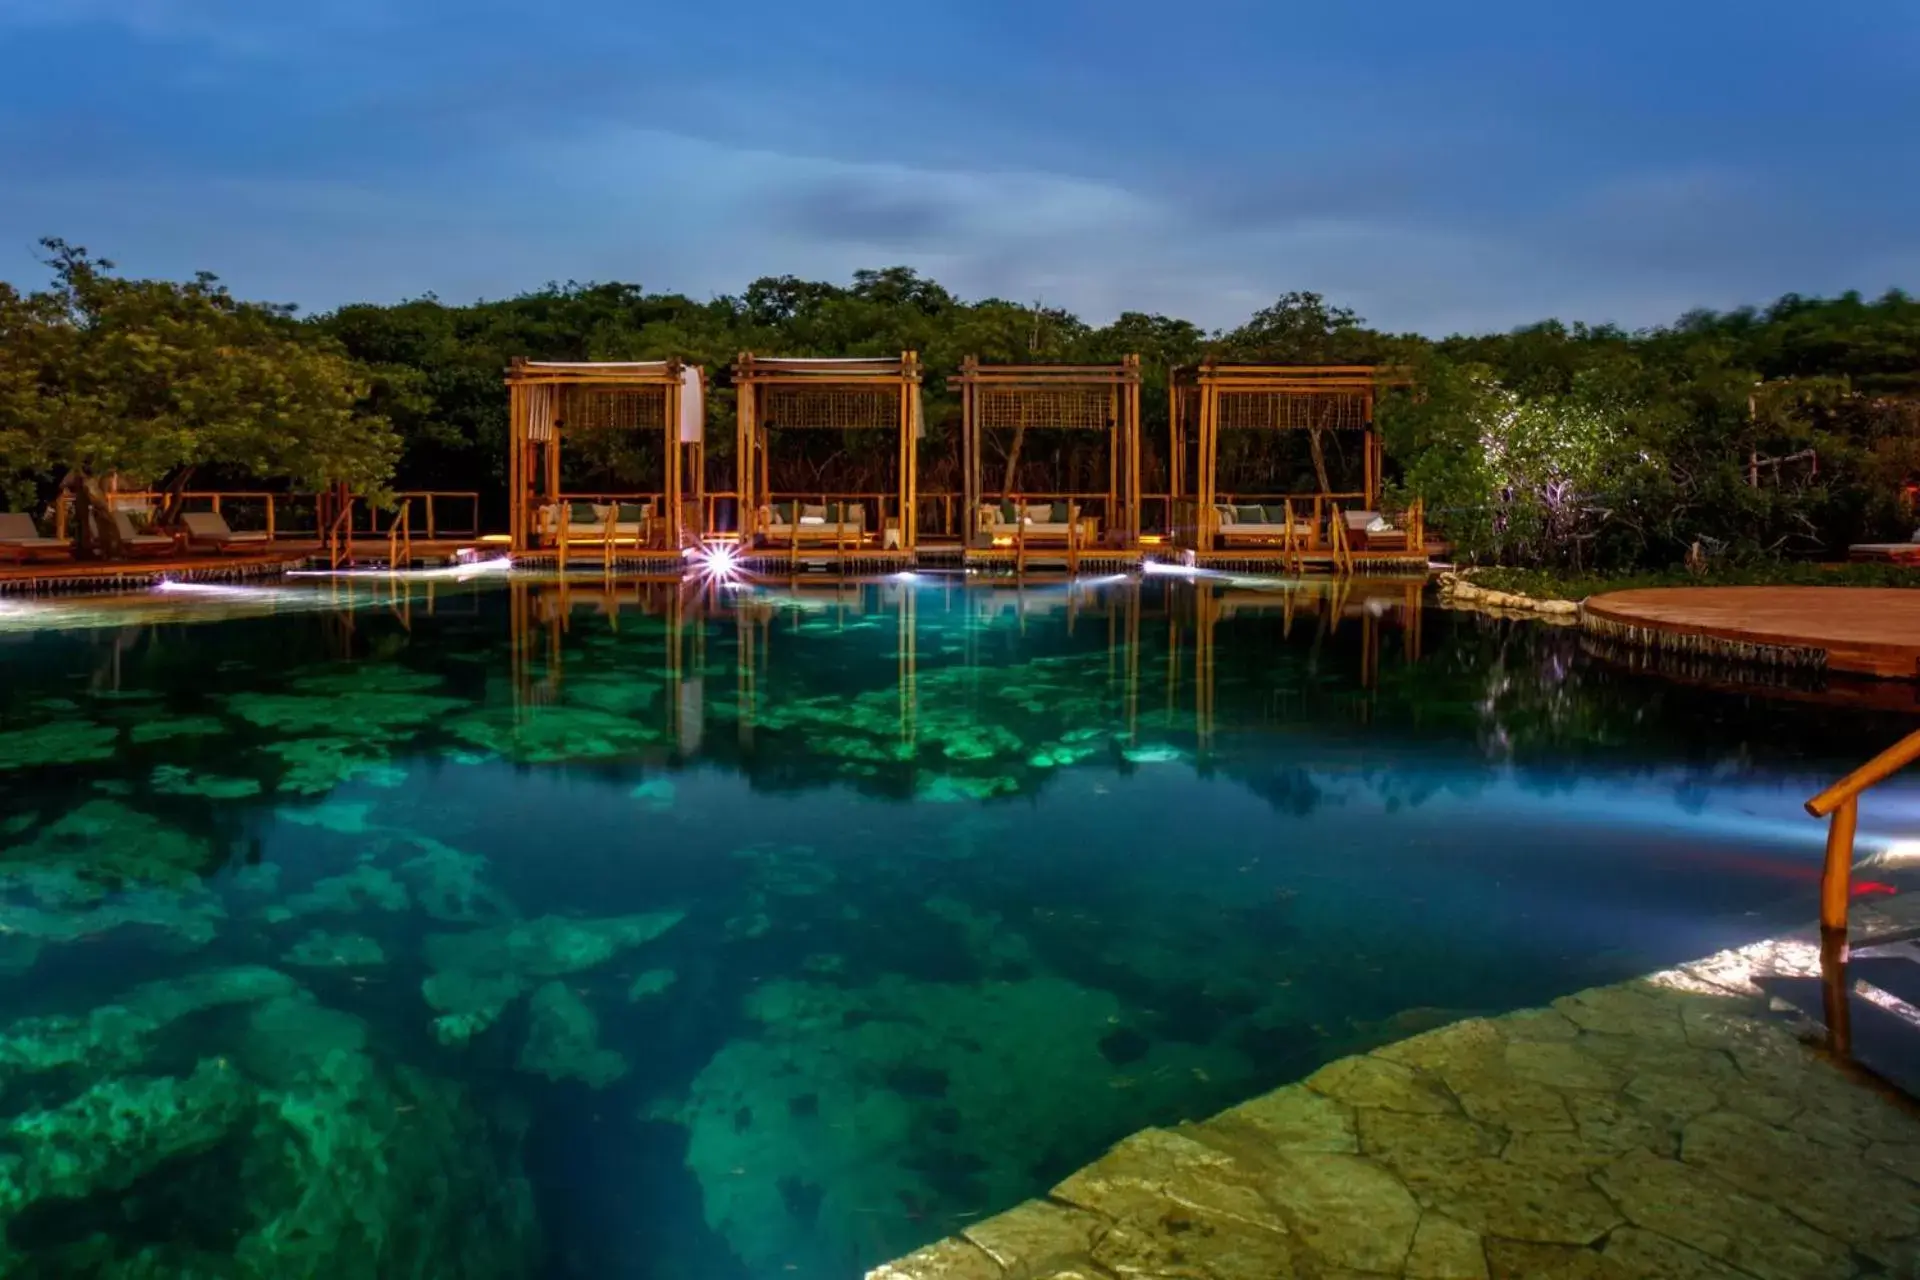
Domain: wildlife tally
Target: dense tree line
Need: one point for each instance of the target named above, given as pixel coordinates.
(1791, 429)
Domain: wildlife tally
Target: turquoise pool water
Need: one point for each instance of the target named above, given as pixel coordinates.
(636, 930)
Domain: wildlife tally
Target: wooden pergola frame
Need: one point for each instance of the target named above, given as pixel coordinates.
(1037, 392)
(537, 391)
(1198, 395)
(836, 386)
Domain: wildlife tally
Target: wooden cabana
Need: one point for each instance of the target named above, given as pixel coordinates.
(862, 394)
(551, 402)
(1210, 400)
(1101, 401)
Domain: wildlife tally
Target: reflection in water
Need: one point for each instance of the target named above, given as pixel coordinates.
(769, 931)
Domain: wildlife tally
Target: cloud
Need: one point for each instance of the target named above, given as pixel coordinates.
(373, 149)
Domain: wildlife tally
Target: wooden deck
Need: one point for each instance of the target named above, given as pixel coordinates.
(1864, 630)
(144, 571)
(108, 575)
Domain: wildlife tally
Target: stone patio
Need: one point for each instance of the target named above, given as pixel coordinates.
(1673, 1127)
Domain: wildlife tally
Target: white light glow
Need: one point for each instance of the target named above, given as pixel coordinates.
(210, 588)
(456, 572)
(717, 561)
(1896, 853)
(1179, 570)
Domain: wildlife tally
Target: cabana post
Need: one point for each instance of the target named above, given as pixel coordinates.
(1211, 400)
(552, 401)
(1095, 399)
(863, 393)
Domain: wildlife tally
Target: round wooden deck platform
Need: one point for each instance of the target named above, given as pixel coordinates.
(1867, 630)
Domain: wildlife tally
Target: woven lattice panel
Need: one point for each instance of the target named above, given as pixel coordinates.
(1292, 410)
(615, 408)
(1085, 408)
(840, 408)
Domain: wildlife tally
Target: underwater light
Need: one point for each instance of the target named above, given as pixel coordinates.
(715, 560)
(905, 575)
(459, 572)
(1178, 570)
(210, 588)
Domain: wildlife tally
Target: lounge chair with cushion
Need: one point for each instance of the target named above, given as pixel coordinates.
(818, 522)
(20, 540)
(1038, 521)
(1899, 552)
(210, 529)
(1371, 531)
(136, 543)
(1245, 523)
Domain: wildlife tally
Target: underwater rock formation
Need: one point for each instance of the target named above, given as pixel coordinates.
(365, 888)
(323, 950)
(563, 1040)
(103, 845)
(294, 1153)
(476, 975)
(450, 885)
(651, 983)
(551, 734)
(901, 1101)
(175, 780)
(68, 741)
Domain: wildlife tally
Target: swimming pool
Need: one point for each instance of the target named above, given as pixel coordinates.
(573, 928)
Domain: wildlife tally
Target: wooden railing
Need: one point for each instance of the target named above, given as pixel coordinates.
(1840, 805)
(433, 504)
(400, 539)
(1337, 542)
(296, 515)
(339, 537)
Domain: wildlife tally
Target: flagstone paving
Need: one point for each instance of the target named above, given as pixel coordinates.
(1671, 1128)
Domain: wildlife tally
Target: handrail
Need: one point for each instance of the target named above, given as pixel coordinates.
(1840, 804)
(340, 536)
(399, 536)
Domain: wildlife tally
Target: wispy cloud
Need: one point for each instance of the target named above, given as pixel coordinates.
(1472, 172)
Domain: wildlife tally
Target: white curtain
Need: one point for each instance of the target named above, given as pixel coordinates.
(693, 406)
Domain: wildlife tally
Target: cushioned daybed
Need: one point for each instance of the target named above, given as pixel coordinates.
(1039, 521)
(821, 522)
(1249, 523)
(587, 521)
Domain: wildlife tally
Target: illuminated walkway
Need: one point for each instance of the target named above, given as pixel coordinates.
(1672, 1127)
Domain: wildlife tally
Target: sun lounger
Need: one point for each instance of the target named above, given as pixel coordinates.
(135, 543)
(20, 540)
(1901, 552)
(210, 529)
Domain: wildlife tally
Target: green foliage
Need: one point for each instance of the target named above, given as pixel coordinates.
(1554, 445)
(146, 378)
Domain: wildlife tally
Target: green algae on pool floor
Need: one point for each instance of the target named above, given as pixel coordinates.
(777, 934)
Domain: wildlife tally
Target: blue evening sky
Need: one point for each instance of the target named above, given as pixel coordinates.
(1435, 166)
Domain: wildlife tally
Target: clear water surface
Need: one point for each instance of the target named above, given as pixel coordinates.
(589, 929)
